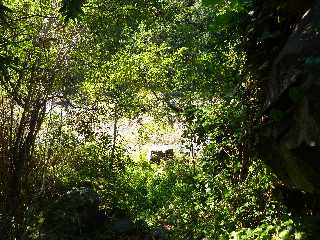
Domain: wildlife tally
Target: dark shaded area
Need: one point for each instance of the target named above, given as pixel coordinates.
(284, 53)
(71, 9)
(76, 215)
(286, 63)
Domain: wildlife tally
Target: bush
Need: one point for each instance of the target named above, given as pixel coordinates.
(74, 215)
(192, 203)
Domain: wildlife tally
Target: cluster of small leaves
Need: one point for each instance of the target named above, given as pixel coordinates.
(285, 230)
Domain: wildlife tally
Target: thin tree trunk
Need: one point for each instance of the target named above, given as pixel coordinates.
(115, 133)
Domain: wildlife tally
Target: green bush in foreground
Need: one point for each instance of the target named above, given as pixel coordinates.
(192, 203)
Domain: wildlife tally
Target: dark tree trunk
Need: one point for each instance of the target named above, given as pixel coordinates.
(18, 157)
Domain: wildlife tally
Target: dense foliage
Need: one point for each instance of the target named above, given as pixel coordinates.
(73, 72)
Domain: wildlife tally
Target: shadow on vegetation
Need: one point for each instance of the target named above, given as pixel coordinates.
(76, 215)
